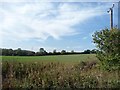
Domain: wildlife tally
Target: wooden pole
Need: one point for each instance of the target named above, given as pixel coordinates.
(111, 17)
(119, 15)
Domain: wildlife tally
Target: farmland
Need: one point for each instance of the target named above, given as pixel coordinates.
(54, 58)
(61, 71)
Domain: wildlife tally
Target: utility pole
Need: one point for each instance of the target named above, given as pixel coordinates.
(119, 15)
(111, 16)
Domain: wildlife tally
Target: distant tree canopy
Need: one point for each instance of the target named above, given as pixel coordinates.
(18, 52)
(42, 52)
(63, 52)
(72, 51)
(54, 51)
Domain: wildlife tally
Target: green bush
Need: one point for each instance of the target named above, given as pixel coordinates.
(108, 44)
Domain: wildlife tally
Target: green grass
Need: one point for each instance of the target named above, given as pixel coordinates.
(55, 58)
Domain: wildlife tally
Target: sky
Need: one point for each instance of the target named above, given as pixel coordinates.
(53, 25)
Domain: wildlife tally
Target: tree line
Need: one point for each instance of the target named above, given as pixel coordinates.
(41, 52)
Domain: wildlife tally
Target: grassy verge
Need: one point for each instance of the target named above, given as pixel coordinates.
(39, 74)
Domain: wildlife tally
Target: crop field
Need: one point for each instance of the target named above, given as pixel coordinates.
(62, 71)
(54, 58)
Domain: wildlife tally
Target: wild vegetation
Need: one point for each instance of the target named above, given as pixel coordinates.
(67, 71)
(54, 74)
(57, 75)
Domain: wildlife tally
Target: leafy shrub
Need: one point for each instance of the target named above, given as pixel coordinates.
(108, 44)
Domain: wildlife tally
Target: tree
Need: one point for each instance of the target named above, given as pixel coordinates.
(7, 52)
(54, 51)
(19, 52)
(42, 51)
(63, 52)
(87, 52)
(93, 51)
(108, 44)
(10, 52)
(72, 52)
(0, 51)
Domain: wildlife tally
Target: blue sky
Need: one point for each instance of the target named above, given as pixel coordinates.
(52, 25)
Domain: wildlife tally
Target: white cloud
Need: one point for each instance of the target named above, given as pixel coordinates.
(22, 21)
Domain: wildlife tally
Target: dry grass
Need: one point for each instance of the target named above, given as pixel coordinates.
(57, 75)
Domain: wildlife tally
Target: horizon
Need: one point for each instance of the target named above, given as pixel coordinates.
(48, 51)
(53, 25)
